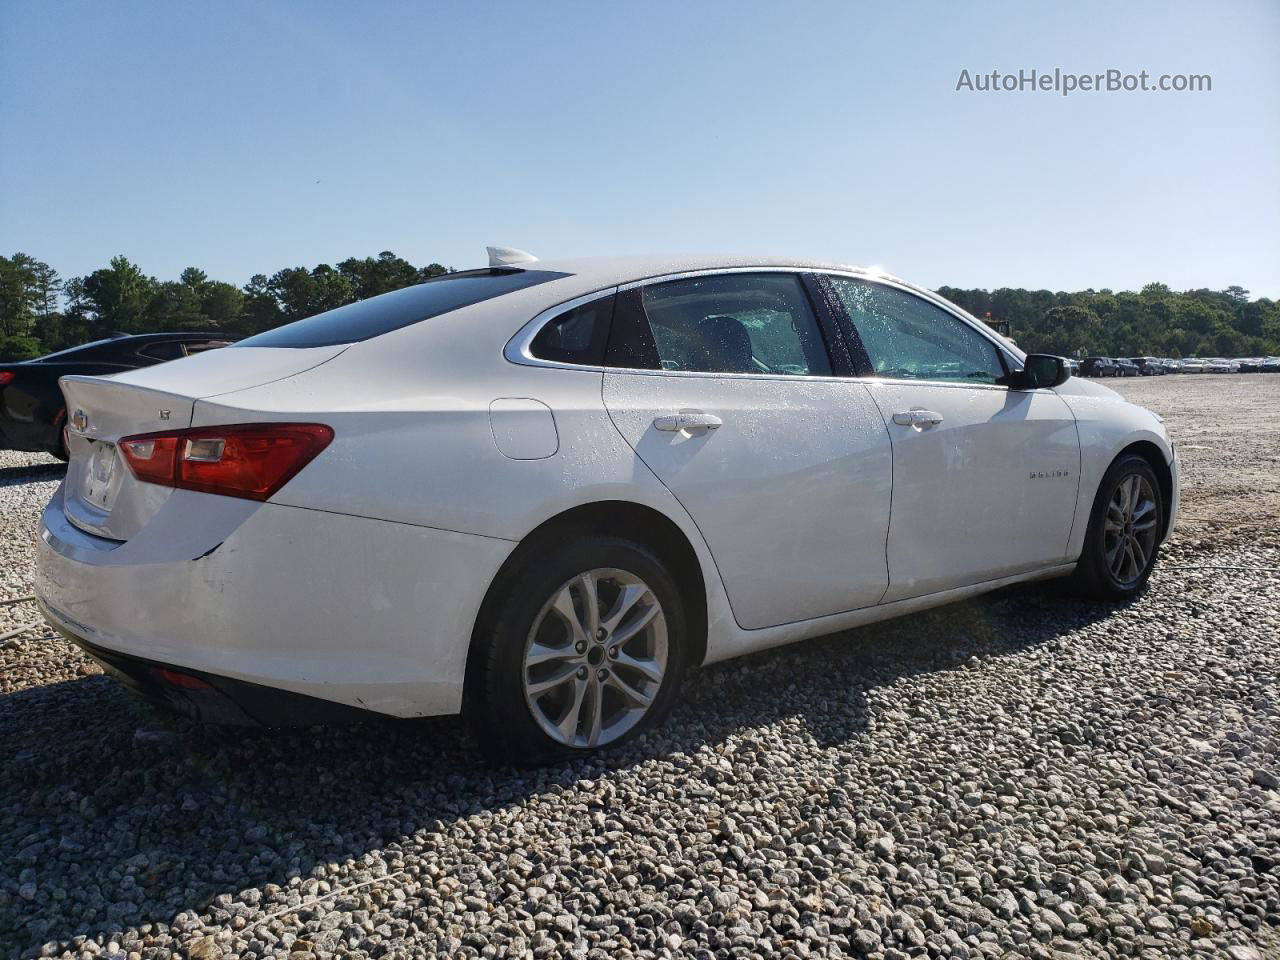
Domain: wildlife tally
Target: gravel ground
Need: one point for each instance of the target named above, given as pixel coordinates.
(1023, 775)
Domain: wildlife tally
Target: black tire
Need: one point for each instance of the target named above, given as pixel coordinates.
(1094, 575)
(495, 704)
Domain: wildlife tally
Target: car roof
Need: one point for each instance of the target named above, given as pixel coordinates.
(596, 273)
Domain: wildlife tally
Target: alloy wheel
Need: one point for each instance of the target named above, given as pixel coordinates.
(1129, 530)
(595, 658)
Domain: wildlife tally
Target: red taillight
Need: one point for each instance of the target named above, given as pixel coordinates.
(6, 376)
(246, 460)
(150, 456)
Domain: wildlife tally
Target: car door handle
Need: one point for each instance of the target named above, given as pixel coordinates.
(917, 418)
(688, 421)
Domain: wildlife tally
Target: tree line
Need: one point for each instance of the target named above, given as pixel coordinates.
(1155, 321)
(40, 312)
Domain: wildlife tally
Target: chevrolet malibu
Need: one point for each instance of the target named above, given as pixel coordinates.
(539, 493)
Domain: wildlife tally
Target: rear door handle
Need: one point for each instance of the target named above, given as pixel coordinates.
(917, 418)
(688, 421)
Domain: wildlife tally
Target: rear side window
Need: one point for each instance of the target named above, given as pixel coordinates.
(399, 308)
(162, 351)
(723, 323)
(576, 336)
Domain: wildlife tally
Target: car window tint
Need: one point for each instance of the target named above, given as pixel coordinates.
(725, 323)
(199, 346)
(399, 308)
(164, 350)
(576, 336)
(911, 339)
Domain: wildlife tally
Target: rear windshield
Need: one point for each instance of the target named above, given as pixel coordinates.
(399, 308)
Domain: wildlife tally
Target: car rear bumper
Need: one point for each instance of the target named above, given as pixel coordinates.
(357, 612)
(209, 698)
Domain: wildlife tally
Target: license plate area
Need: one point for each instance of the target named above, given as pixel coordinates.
(99, 488)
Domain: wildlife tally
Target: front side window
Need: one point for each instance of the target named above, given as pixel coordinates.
(727, 323)
(908, 338)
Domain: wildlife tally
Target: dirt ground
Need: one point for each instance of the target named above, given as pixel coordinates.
(1227, 431)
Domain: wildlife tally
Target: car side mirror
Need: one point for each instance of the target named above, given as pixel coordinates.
(1039, 370)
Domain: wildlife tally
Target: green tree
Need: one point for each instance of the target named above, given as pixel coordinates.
(1067, 331)
(374, 275)
(118, 298)
(221, 303)
(261, 310)
(17, 294)
(174, 306)
(19, 347)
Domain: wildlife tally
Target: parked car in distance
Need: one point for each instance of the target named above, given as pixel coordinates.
(1098, 367)
(1193, 365)
(1250, 364)
(1171, 365)
(32, 412)
(1219, 365)
(538, 493)
(1125, 368)
(1147, 366)
(1271, 364)
(1073, 366)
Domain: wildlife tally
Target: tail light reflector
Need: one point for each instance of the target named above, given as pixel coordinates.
(252, 460)
(183, 681)
(6, 376)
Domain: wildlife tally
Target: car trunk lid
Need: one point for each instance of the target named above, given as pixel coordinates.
(102, 496)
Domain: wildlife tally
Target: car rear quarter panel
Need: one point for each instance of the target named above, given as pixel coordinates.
(357, 611)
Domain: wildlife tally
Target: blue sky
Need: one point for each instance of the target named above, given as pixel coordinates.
(247, 137)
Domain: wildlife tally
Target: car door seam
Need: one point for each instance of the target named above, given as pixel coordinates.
(688, 513)
(888, 527)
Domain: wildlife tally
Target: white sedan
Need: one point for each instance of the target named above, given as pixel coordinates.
(538, 493)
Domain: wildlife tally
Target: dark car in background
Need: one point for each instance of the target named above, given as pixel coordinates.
(1098, 367)
(1125, 368)
(1148, 366)
(32, 412)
